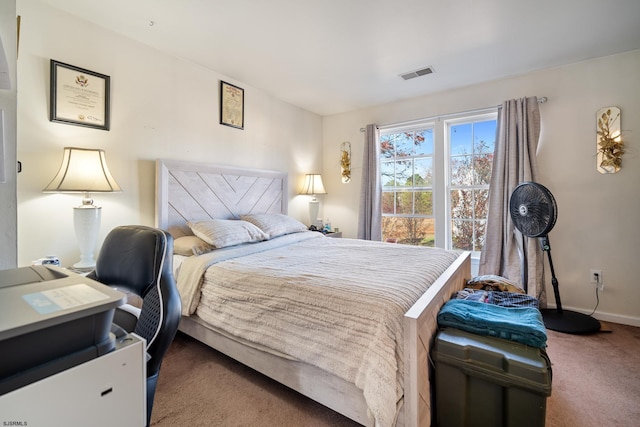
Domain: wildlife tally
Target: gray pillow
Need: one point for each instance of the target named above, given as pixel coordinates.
(191, 245)
(221, 233)
(275, 225)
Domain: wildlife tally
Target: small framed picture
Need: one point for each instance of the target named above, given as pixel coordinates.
(231, 105)
(78, 96)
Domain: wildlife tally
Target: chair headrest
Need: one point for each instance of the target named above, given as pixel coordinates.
(133, 257)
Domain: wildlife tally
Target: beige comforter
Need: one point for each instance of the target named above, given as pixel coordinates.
(337, 304)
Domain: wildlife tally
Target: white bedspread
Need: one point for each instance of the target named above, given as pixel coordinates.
(337, 304)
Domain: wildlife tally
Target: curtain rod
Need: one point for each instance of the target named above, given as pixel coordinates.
(541, 100)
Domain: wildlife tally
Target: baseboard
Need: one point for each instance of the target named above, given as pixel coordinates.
(605, 317)
(617, 318)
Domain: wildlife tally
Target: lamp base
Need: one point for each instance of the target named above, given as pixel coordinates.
(86, 223)
(81, 269)
(314, 206)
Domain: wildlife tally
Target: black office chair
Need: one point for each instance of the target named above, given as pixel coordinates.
(137, 260)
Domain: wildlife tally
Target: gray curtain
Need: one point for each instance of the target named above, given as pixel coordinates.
(514, 161)
(370, 218)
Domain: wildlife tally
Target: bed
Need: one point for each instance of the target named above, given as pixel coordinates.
(192, 192)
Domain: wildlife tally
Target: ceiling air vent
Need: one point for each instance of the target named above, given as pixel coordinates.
(417, 73)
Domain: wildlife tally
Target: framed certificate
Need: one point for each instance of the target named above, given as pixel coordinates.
(231, 105)
(78, 96)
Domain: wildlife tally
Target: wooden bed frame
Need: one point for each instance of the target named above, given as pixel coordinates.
(190, 191)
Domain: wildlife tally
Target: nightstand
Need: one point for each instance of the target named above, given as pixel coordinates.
(335, 234)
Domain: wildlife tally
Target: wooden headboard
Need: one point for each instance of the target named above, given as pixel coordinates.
(196, 191)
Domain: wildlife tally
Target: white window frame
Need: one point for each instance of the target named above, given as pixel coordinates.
(442, 166)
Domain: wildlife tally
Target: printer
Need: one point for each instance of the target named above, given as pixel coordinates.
(51, 319)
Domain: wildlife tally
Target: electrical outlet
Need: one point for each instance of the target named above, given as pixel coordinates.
(596, 277)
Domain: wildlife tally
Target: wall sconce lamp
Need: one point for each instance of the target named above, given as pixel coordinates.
(84, 171)
(312, 186)
(345, 162)
(609, 143)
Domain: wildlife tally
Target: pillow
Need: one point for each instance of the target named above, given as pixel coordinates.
(191, 245)
(275, 225)
(221, 233)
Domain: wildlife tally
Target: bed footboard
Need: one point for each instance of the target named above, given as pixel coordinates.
(420, 324)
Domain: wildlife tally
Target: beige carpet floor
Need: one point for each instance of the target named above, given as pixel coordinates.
(596, 383)
(596, 378)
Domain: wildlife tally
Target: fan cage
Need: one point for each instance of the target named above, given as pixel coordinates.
(533, 209)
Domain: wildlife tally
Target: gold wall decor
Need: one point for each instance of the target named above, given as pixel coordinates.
(345, 162)
(609, 140)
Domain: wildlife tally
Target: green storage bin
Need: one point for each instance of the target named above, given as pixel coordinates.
(486, 381)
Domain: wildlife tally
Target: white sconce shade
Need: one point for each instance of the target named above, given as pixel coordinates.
(84, 171)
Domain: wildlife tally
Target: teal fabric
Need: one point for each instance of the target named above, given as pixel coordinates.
(519, 324)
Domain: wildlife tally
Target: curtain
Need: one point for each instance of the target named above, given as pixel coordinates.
(514, 161)
(370, 217)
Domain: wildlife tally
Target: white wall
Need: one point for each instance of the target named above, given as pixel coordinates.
(597, 225)
(161, 107)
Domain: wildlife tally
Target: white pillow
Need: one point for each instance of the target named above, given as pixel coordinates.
(191, 245)
(275, 225)
(221, 233)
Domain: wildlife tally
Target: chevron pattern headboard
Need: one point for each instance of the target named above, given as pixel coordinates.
(197, 191)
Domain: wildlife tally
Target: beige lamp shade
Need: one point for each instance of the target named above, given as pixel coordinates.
(313, 185)
(83, 170)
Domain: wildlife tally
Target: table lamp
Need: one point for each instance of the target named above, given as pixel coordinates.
(85, 171)
(312, 186)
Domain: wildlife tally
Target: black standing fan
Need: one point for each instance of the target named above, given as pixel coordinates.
(533, 211)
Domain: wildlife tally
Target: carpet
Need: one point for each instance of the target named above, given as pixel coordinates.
(596, 383)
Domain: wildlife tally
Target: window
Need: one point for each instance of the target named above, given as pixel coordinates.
(471, 145)
(435, 181)
(407, 186)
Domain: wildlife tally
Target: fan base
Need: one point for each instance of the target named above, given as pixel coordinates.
(569, 322)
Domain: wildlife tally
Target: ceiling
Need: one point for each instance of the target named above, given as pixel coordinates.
(333, 56)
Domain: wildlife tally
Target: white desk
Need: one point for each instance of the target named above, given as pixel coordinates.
(107, 391)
